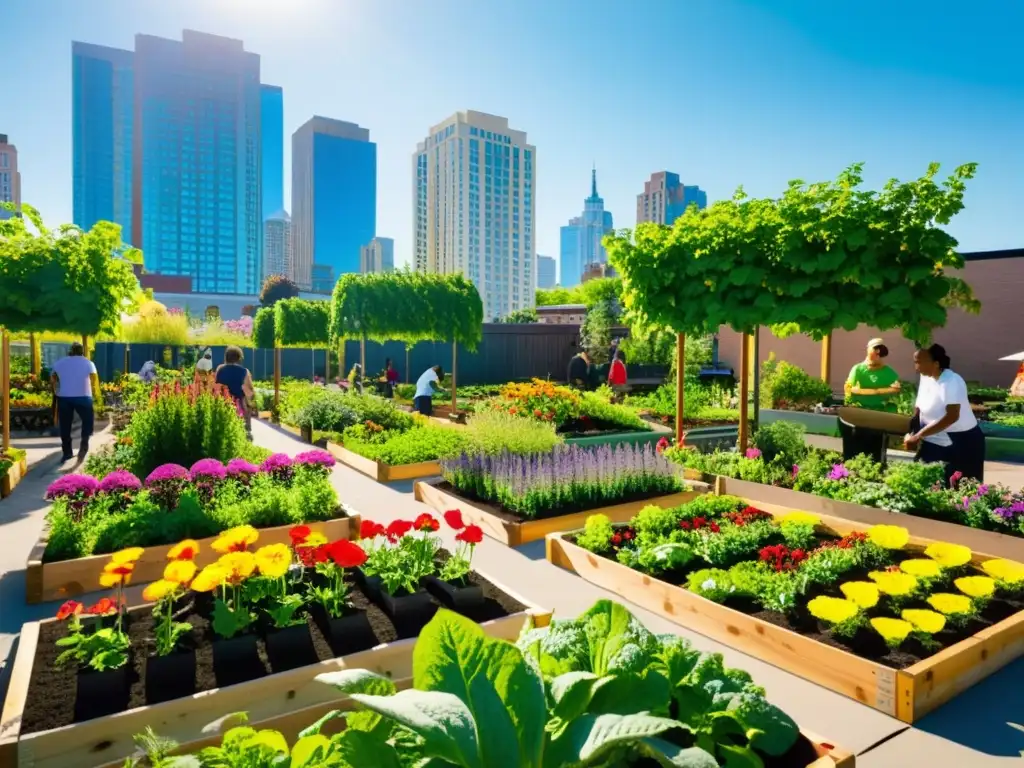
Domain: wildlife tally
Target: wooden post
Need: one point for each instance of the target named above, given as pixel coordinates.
(5, 386)
(33, 350)
(826, 359)
(128, 358)
(680, 385)
(756, 360)
(744, 390)
(85, 346)
(455, 354)
(277, 381)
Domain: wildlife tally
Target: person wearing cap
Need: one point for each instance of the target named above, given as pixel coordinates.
(872, 385)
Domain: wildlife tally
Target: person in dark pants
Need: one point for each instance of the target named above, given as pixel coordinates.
(237, 379)
(872, 385)
(579, 374)
(943, 427)
(390, 378)
(71, 379)
(426, 385)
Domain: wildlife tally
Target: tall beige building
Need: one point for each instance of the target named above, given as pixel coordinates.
(474, 203)
(277, 246)
(665, 198)
(10, 179)
(377, 256)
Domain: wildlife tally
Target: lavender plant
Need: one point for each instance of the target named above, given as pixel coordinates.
(568, 479)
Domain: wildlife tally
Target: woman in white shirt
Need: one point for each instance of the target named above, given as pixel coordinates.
(943, 426)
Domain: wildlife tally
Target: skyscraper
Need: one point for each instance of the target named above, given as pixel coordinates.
(272, 141)
(102, 119)
(378, 255)
(10, 179)
(334, 196)
(581, 237)
(277, 245)
(545, 272)
(665, 198)
(474, 208)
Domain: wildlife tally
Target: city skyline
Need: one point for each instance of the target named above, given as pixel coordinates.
(580, 242)
(10, 178)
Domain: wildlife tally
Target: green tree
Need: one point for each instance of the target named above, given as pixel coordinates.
(276, 288)
(519, 317)
(596, 331)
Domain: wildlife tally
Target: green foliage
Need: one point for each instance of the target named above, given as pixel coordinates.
(651, 347)
(781, 442)
(588, 293)
(592, 406)
(407, 306)
(263, 328)
(596, 331)
(426, 443)
(492, 432)
(155, 325)
(519, 317)
(597, 534)
(787, 386)
(275, 288)
(302, 323)
(822, 257)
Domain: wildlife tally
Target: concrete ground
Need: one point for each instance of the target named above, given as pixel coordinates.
(983, 728)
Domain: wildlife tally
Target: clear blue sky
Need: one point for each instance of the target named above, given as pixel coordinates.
(721, 91)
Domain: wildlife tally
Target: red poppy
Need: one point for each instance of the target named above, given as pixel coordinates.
(616, 540)
(70, 608)
(454, 519)
(299, 534)
(627, 534)
(371, 529)
(346, 554)
(310, 556)
(398, 529)
(715, 528)
(685, 525)
(426, 522)
(103, 606)
(471, 534)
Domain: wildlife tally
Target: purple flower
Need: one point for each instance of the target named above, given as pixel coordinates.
(208, 468)
(167, 472)
(165, 484)
(72, 486)
(839, 472)
(120, 481)
(239, 468)
(278, 466)
(316, 458)
(796, 471)
(753, 453)
(982, 490)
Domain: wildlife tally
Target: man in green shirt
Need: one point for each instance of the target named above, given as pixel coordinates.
(872, 385)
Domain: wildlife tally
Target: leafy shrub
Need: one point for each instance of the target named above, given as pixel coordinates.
(425, 443)
(781, 442)
(379, 410)
(492, 432)
(597, 534)
(599, 409)
(787, 386)
(326, 412)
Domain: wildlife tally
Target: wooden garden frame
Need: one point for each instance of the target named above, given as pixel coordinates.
(378, 470)
(69, 578)
(514, 534)
(14, 476)
(907, 694)
(286, 701)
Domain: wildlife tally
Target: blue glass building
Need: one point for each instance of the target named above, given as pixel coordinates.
(581, 238)
(665, 198)
(272, 143)
(334, 196)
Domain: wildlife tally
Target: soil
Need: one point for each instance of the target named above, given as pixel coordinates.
(801, 755)
(52, 691)
(514, 517)
(670, 421)
(593, 428)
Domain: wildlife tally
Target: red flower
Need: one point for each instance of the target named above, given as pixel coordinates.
(426, 522)
(537, 412)
(104, 606)
(398, 529)
(628, 534)
(70, 608)
(120, 569)
(715, 528)
(454, 519)
(513, 410)
(370, 529)
(616, 540)
(471, 534)
(310, 556)
(685, 525)
(299, 534)
(346, 554)
(662, 445)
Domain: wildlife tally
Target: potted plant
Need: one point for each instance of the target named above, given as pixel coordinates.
(288, 642)
(452, 586)
(171, 669)
(394, 570)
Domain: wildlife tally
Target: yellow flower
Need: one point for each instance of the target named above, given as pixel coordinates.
(273, 560)
(235, 540)
(834, 610)
(948, 555)
(129, 555)
(180, 571)
(1006, 571)
(976, 586)
(921, 567)
(209, 579)
(799, 518)
(889, 536)
(863, 593)
(186, 549)
(894, 631)
(158, 590)
(949, 604)
(893, 582)
(928, 622)
(315, 539)
(114, 579)
(237, 566)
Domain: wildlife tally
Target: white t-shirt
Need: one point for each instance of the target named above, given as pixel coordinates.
(423, 388)
(933, 395)
(73, 376)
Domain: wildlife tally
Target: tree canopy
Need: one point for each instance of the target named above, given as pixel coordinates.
(276, 288)
(407, 306)
(302, 323)
(64, 279)
(588, 293)
(823, 256)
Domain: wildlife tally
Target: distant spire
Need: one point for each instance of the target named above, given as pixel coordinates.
(593, 181)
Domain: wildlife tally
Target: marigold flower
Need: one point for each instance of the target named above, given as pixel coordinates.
(102, 607)
(120, 569)
(928, 622)
(976, 586)
(921, 567)
(211, 577)
(889, 536)
(799, 518)
(237, 566)
(180, 571)
(113, 579)
(948, 555)
(346, 554)
(426, 523)
(833, 610)
(893, 582)
(950, 604)
(129, 555)
(158, 590)
(186, 549)
(894, 631)
(454, 519)
(863, 593)
(235, 539)
(273, 560)
(471, 534)
(315, 539)
(68, 609)
(1007, 571)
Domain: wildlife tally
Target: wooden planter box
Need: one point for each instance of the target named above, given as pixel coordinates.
(69, 578)
(907, 694)
(381, 472)
(14, 475)
(814, 423)
(516, 533)
(995, 544)
(265, 415)
(286, 701)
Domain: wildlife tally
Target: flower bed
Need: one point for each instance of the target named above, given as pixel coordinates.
(13, 467)
(900, 623)
(381, 471)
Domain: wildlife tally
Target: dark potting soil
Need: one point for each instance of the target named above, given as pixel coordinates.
(50, 702)
(594, 428)
(670, 421)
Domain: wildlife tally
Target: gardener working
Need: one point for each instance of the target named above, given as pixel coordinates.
(579, 370)
(71, 379)
(944, 426)
(426, 385)
(238, 381)
(872, 385)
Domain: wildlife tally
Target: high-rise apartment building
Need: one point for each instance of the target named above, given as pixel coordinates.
(334, 196)
(581, 237)
(277, 245)
(10, 179)
(665, 198)
(103, 124)
(474, 203)
(378, 255)
(546, 277)
(322, 279)
(272, 148)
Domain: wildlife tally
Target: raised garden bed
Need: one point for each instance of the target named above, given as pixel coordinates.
(814, 423)
(45, 581)
(14, 475)
(894, 682)
(617, 436)
(513, 530)
(381, 472)
(38, 729)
